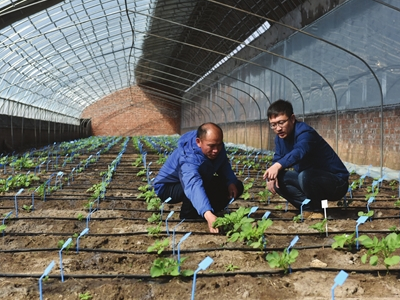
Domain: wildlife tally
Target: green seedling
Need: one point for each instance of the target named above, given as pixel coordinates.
(297, 218)
(155, 217)
(381, 249)
(168, 266)
(397, 203)
(27, 208)
(264, 195)
(154, 230)
(344, 240)
(158, 246)
(3, 227)
(393, 184)
(283, 260)
(85, 296)
(96, 190)
(60, 243)
(233, 221)
(366, 214)
(88, 205)
(231, 268)
(252, 233)
(141, 173)
(137, 162)
(320, 226)
(161, 159)
(154, 204)
(278, 207)
(144, 188)
(80, 217)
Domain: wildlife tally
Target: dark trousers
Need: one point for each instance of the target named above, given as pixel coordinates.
(216, 190)
(315, 185)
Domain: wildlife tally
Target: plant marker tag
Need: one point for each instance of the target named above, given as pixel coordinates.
(173, 237)
(252, 210)
(16, 202)
(84, 231)
(361, 220)
(324, 205)
(374, 184)
(205, 263)
(179, 245)
(162, 206)
(306, 201)
(230, 202)
(370, 200)
(60, 254)
(5, 218)
(266, 215)
(166, 220)
(45, 273)
(339, 280)
(292, 243)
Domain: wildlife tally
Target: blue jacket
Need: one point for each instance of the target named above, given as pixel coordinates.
(188, 165)
(305, 149)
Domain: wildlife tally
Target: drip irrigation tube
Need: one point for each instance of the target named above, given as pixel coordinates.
(227, 274)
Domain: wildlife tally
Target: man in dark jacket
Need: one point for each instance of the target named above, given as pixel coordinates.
(317, 174)
(199, 175)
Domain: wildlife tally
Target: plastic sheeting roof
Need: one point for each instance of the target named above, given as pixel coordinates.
(57, 58)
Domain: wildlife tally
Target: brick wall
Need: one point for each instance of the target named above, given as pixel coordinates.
(132, 112)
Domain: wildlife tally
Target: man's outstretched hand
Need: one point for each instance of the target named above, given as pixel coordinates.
(210, 217)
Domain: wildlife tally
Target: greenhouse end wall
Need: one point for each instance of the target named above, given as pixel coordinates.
(20, 134)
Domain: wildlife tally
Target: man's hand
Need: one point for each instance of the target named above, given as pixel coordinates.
(272, 172)
(232, 191)
(271, 186)
(210, 217)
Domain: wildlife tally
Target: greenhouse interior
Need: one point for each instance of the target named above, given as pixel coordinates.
(89, 86)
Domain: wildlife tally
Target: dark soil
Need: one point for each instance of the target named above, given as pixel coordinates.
(112, 261)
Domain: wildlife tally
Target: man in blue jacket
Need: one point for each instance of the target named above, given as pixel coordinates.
(304, 165)
(199, 175)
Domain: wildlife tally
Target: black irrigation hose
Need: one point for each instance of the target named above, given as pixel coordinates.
(165, 279)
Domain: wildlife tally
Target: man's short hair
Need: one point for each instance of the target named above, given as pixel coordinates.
(280, 107)
(203, 128)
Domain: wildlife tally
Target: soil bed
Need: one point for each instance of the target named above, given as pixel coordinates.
(113, 261)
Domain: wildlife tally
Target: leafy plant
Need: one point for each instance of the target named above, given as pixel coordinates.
(80, 217)
(278, 207)
(141, 173)
(155, 217)
(158, 246)
(231, 268)
(137, 162)
(28, 208)
(297, 218)
(381, 249)
(366, 214)
(343, 240)
(168, 266)
(61, 243)
(283, 260)
(96, 190)
(3, 227)
(264, 195)
(154, 230)
(154, 204)
(320, 226)
(252, 233)
(233, 220)
(85, 296)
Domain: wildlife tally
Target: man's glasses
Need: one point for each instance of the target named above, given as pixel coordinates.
(280, 124)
